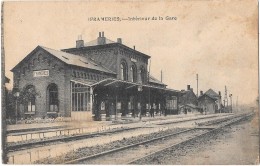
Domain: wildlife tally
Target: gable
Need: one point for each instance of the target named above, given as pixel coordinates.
(32, 60)
(212, 93)
(188, 97)
(39, 60)
(206, 97)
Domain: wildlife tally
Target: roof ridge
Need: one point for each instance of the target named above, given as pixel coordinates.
(79, 57)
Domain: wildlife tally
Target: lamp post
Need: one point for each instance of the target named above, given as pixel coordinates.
(16, 105)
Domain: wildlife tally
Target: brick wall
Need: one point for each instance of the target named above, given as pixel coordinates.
(23, 76)
(111, 56)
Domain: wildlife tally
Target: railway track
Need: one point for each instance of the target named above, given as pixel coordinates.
(66, 138)
(130, 154)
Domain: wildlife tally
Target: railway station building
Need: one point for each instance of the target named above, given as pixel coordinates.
(97, 80)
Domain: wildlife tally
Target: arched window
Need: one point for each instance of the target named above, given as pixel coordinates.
(133, 73)
(53, 102)
(143, 75)
(123, 71)
(29, 104)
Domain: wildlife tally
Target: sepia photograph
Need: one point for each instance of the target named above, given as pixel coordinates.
(130, 82)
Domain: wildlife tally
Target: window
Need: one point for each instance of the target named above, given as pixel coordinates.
(53, 98)
(133, 73)
(143, 75)
(30, 99)
(31, 106)
(123, 71)
(80, 98)
(171, 103)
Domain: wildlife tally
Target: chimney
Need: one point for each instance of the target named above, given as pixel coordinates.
(79, 42)
(101, 40)
(119, 40)
(134, 47)
(219, 93)
(188, 87)
(201, 92)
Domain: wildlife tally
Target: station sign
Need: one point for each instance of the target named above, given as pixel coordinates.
(41, 73)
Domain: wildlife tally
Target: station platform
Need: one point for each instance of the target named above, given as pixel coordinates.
(96, 124)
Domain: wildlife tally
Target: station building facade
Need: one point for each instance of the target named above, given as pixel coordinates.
(101, 79)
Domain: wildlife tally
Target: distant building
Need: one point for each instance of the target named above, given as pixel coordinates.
(210, 102)
(188, 102)
(101, 79)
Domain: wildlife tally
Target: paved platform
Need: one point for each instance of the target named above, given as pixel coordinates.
(79, 124)
(96, 124)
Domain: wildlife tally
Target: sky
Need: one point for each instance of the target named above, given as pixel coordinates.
(218, 40)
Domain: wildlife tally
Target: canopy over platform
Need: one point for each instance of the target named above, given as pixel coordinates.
(116, 83)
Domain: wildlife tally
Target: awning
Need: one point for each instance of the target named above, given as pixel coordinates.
(115, 83)
(111, 82)
(83, 82)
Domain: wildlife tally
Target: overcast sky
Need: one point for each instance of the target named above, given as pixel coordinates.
(216, 39)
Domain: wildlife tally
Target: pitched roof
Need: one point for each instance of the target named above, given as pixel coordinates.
(212, 94)
(77, 60)
(71, 59)
(154, 80)
(213, 98)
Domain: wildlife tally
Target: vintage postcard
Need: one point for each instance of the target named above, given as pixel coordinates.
(130, 82)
